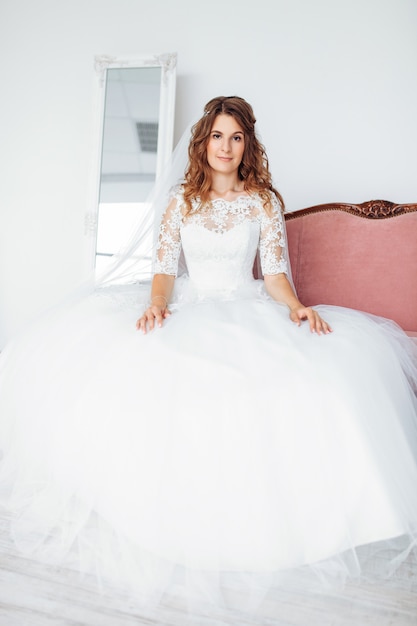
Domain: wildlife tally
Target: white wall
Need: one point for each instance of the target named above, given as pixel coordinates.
(333, 84)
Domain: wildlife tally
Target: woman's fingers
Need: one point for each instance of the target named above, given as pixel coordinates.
(141, 323)
(317, 324)
(153, 315)
(320, 325)
(326, 327)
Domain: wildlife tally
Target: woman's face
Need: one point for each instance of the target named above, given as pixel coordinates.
(226, 145)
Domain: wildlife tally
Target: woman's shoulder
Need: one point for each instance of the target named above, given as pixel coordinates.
(268, 201)
(177, 192)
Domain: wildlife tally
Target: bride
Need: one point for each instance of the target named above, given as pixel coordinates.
(227, 164)
(231, 440)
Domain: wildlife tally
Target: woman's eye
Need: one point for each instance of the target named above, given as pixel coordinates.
(216, 136)
(237, 138)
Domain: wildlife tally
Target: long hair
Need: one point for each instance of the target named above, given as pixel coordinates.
(254, 168)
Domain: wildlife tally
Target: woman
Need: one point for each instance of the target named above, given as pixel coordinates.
(227, 162)
(230, 450)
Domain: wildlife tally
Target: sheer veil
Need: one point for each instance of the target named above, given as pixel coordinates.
(135, 260)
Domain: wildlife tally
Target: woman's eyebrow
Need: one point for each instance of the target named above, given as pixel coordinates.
(219, 132)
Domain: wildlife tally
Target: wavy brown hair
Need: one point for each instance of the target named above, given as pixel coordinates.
(254, 168)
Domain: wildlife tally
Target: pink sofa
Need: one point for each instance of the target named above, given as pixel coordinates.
(358, 256)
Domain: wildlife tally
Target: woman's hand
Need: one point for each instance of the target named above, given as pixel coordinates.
(154, 314)
(157, 311)
(280, 289)
(317, 324)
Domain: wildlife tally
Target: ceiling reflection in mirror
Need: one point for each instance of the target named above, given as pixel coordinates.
(130, 134)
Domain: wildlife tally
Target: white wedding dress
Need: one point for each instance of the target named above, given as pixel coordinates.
(229, 450)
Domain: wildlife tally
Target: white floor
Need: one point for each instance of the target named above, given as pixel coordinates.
(32, 594)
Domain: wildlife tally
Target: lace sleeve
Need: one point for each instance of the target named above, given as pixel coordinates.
(272, 241)
(169, 240)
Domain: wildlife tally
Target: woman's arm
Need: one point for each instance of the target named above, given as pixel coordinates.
(157, 311)
(166, 266)
(279, 288)
(272, 244)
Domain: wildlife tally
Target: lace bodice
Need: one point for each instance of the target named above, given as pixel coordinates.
(220, 241)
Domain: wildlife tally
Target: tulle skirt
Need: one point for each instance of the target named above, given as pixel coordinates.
(227, 453)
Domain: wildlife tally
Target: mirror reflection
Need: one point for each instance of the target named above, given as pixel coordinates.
(130, 134)
(136, 130)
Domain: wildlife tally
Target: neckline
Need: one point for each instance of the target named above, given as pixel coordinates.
(243, 195)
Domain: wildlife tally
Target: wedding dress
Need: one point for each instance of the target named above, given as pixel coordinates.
(228, 450)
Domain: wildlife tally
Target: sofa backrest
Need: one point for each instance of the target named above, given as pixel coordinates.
(358, 256)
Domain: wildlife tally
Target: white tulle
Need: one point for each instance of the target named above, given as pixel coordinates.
(220, 456)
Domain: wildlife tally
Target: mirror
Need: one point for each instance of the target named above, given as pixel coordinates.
(135, 100)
